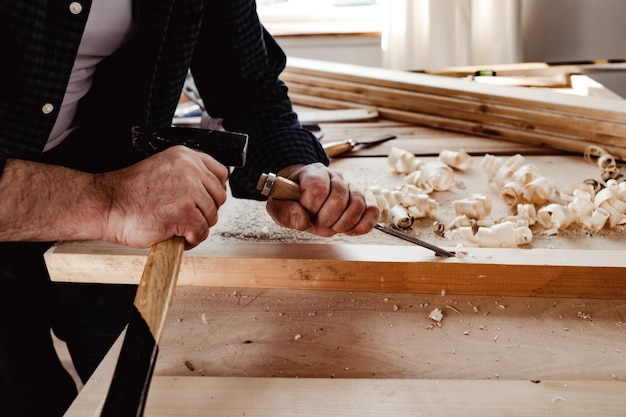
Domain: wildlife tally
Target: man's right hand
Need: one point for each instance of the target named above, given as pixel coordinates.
(176, 192)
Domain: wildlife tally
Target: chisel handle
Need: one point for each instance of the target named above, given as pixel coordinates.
(338, 147)
(279, 188)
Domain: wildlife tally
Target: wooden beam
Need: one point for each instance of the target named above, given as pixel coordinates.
(480, 271)
(545, 100)
(523, 118)
(527, 137)
(537, 116)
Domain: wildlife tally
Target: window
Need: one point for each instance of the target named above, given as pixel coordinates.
(302, 17)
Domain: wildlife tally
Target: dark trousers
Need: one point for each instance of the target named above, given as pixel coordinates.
(88, 317)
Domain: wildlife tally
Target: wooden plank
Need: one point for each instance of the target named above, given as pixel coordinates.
(483, 110)
(254, 396)
(542, 117)
(261, 332)
(562, 143)
(538, 68)
(533, 272)
(339, 115)
(275, 397)
(205, 396)
(546, 100)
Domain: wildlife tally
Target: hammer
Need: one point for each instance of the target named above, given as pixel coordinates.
(131, 380)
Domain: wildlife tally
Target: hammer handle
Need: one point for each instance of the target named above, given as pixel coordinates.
(133, 372)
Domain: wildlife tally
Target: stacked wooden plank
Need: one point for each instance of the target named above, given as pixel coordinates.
(533, 116)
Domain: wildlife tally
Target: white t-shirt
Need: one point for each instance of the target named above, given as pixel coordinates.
(109, 26)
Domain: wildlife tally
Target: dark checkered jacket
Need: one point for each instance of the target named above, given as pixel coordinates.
(234, 61)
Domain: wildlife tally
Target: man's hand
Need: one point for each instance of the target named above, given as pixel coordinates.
(176, 192)
(329, 205)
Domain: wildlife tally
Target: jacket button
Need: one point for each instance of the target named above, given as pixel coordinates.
(47, 108)
(76, 7)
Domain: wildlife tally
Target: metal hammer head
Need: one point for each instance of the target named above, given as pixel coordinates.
(228, 148)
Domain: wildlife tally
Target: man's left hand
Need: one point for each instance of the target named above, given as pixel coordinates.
(328, 204)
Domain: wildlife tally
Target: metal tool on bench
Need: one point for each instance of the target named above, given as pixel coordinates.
(342, 146)
(131, 379)
(284, 189)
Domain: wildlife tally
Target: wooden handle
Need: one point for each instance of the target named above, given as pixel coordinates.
(133, 372)
(339, 147)
(278, 187)
(158, 282)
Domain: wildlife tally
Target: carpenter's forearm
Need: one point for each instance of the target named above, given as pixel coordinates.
(40, 202)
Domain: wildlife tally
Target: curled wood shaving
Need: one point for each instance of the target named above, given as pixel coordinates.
(401, 205)
(612, 199)
(402, 161)
(429, 176)
(517, 182)
(609, 167)
(501, 235)
(460, 160)
(475, 207)
(432, 176)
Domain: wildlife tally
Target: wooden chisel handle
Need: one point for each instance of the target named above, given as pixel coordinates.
(339, 147)
(279, 188)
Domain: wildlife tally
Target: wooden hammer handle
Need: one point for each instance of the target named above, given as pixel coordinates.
(131, 380)
(158, 282)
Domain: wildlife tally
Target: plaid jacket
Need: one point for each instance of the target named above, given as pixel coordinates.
(234, 61)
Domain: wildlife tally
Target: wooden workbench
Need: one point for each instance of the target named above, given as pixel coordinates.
(238, 349)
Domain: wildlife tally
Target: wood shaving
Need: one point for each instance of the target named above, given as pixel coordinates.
(436, 315)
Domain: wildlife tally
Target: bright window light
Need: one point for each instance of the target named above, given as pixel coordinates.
(323, 16)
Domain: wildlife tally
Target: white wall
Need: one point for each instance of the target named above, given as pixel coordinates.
(566, 30)
(358, 50)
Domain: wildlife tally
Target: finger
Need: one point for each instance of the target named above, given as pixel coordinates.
(288, 213)
(220, 171)
(367, 221)
(197, 231)
(350, 216)
(332, 214)
(315, 185)
(211, 197)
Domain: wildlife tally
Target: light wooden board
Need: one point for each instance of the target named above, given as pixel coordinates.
(537, 272)
(255, 332)
(269, 397)
(313, 397)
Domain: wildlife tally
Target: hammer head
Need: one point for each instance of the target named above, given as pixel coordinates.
(228, 148)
